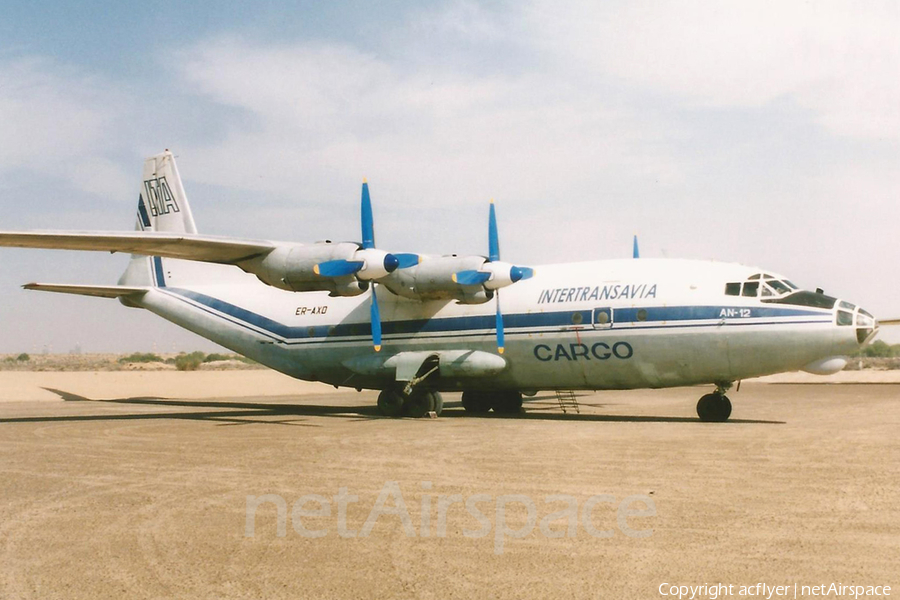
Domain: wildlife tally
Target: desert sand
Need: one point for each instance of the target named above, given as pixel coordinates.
(131, 484)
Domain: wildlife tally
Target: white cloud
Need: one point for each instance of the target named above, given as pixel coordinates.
(59, 122)
(333, 111)
(837, 59)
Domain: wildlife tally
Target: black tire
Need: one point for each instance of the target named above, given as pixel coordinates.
(476, 403)
(419, 404)
(508, 403)
(714, 408)
(723, 408)
(704, 407)
(390, 403)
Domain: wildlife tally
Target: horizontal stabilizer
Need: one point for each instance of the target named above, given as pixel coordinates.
(168, 245)
(98, 291)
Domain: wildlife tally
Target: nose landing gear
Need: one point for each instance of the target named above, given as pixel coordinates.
(715, 407)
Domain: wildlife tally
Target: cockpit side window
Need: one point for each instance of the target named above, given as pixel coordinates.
(751, 289)
(779, 287)
(733, 289)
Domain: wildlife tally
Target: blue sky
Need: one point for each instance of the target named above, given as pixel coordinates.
(766, 133)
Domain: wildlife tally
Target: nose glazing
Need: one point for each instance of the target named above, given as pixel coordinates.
(866, 326)
(850, 315)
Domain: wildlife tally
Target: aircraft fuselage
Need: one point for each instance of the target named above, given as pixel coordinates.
(618, 324)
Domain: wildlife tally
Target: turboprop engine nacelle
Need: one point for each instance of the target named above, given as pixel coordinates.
(294, 268)
(432, 279)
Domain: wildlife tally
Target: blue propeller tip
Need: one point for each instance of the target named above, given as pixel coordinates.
(407, 260)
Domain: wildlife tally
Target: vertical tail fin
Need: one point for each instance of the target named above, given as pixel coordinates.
(162, 203)
(162, 206)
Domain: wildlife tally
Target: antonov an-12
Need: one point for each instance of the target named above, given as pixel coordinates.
(410, 325)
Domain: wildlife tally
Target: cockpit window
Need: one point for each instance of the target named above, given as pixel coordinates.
(762, 284)
(779, 287)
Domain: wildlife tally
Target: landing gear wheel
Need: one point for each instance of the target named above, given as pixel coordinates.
(419, 403)
(476, 403)
(714, 408)
(390, 403)
(508, 403)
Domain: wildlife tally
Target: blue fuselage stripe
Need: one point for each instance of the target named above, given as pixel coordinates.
(657, 318)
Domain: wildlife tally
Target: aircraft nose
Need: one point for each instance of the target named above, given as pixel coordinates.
(850, 315)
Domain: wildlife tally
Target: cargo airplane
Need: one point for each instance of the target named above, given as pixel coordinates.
(413, 326)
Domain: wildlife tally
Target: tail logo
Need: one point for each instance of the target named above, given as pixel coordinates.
(159, 197)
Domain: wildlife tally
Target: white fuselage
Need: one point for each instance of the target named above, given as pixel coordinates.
(616, 324)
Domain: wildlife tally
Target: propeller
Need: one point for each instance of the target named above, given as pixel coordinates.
(368, 244)
(338, 268)
(408, 260)
(368, 263)
(494, 274)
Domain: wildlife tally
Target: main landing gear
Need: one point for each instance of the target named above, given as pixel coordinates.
(418, 403)
(715, 407)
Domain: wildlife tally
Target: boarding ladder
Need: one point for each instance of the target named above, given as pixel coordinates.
(567, 401)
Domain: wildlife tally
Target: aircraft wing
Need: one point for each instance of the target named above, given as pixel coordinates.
(204, 248)
(98, 291)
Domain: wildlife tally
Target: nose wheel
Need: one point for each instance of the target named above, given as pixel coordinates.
(714, 408)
